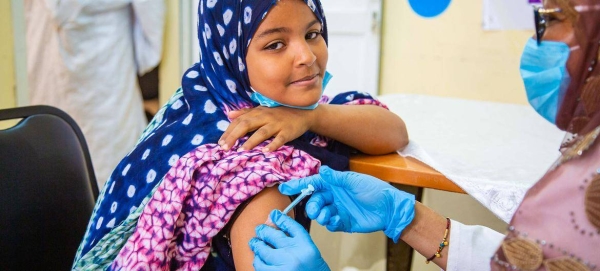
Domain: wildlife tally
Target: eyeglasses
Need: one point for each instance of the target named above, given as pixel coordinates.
(542, 15)
(541, 18)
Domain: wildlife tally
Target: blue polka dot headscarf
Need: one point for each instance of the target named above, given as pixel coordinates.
(195, 114)
(225, 30)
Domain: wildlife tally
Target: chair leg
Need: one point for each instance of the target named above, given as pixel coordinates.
(399, 256)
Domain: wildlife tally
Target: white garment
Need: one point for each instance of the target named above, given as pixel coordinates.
(471, 247)
(83, 56)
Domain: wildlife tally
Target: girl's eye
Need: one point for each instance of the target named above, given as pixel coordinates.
(313, 35)
(274, 46)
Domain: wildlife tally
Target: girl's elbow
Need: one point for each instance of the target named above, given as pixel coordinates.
(402, 137)
(402, 143)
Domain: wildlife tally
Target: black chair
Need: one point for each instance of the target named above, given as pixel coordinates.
(47, 189)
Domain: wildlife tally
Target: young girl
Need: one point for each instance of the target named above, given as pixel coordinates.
(178, 193)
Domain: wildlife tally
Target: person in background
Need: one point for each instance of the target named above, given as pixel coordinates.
(83, 57)
(556, 227)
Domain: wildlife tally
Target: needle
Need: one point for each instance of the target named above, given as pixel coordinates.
(305, 192)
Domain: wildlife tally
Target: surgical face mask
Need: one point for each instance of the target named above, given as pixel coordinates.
(544, 72)
(267, 102)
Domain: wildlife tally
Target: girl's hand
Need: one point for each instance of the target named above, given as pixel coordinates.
(282, 123)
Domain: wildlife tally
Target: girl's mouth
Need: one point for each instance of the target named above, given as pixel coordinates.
(306, 81)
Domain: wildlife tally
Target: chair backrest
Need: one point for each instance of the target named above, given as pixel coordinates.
(47, 189)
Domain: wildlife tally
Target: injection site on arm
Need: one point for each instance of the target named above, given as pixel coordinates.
(305, 192)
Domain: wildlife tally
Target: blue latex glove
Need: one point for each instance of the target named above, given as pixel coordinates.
(354, 202)
(287, 249)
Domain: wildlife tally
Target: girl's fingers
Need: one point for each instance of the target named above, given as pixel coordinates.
(277, 142)
(263, 133)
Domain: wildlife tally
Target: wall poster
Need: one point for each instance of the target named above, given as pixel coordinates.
(508, 14)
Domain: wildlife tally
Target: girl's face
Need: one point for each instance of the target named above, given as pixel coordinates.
(287, 56)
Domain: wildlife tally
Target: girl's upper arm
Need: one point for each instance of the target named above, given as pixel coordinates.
(254, 214)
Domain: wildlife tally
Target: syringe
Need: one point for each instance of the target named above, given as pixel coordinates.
(304, 193)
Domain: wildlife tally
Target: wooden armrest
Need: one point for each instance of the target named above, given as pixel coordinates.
(394, 168)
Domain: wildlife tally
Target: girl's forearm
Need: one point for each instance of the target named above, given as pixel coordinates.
(368, 128)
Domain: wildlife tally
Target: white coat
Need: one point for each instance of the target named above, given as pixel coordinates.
(471, 247)
(83, 56)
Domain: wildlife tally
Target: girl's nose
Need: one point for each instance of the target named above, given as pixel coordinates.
(305, 55)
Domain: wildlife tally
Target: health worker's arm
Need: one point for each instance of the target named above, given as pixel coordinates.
(469, 247)
(368, 128)
(425, 233)
(359, 203)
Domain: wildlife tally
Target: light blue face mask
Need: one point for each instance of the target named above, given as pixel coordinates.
(544, 72)
(267, 102)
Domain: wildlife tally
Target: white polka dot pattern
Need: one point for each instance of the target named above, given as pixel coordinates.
(99, 222)
(167, 140)
(211, 3)
(210, 107)
(111, 223)
(188, 119)
(192, 74)
(131, 191)
(227, 16)
(221, 30)
(173, 159)
(197, 140)
(247, 15)
(151, 176)
(113, 207)
(124, 173)
(222, 125)
(177, 104)
(112, 186)
(231, 85)
(200, 88)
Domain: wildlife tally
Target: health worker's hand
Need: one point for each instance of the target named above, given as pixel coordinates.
(354, 202)
(282, 123)
(287, 249)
